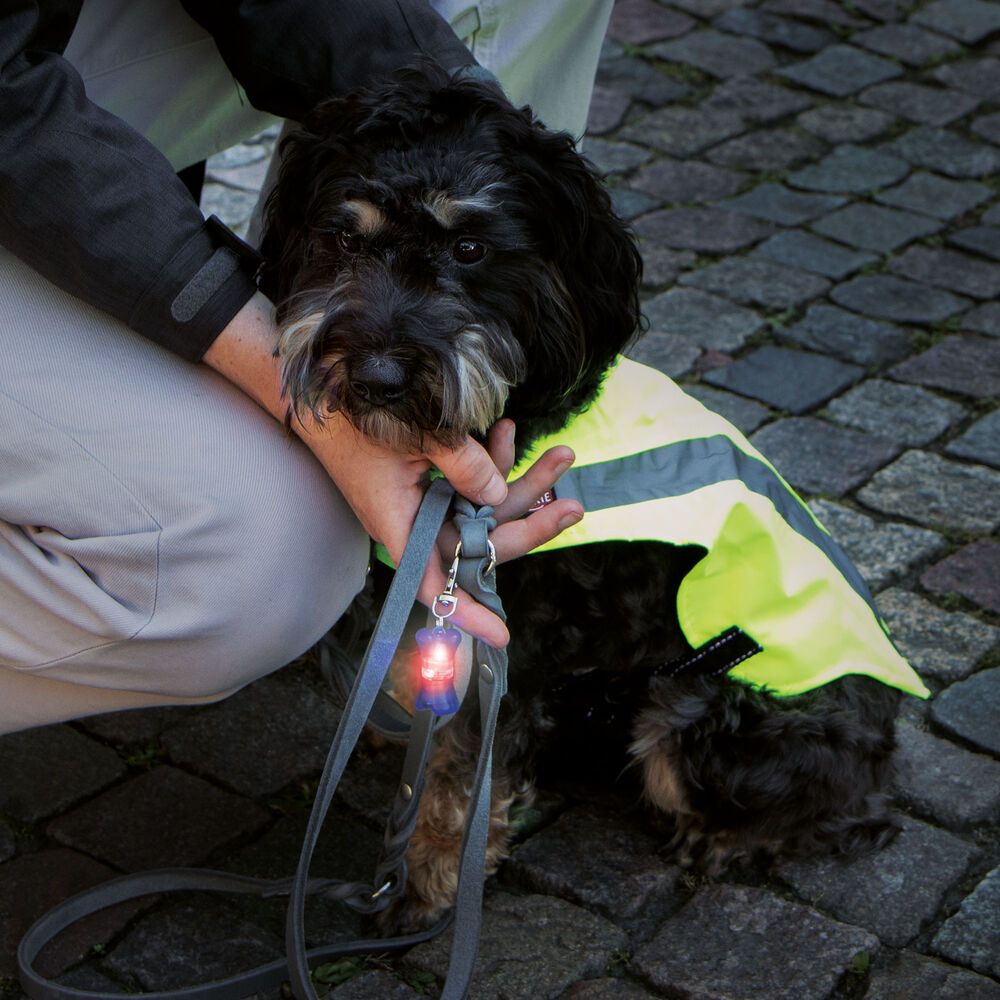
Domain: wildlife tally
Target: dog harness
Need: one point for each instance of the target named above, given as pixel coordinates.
(774, 601)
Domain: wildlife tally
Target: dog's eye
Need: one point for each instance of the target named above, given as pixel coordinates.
(349, 242)
(468, 251)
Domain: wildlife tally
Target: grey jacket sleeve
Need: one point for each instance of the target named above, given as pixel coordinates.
(94, 207)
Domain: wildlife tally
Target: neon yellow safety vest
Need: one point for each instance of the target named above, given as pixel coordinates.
(652, 463)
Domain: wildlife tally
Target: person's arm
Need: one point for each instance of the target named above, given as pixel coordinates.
(384, 488)
(288, 56)
(94, 207)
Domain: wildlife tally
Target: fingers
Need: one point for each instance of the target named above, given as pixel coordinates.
(541, 476)
(518, 537)
(471, 471)
(500, 445)
(469, 614)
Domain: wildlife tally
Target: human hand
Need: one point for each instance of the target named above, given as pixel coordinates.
(385, 489)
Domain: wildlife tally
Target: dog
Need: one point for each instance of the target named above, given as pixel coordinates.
(439, 259)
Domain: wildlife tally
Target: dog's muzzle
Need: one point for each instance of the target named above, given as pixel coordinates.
(379, 380)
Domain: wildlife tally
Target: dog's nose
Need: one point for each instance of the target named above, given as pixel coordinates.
(379, 380)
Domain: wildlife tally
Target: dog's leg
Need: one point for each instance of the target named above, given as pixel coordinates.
(435, 847)
(742, 771)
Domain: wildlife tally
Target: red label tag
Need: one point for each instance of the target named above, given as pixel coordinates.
(543, 501)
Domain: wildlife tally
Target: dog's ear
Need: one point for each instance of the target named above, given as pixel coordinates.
(593, 312)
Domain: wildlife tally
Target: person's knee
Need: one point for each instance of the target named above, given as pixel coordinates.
(252, 591)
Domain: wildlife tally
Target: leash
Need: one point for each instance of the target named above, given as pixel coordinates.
(474, 571)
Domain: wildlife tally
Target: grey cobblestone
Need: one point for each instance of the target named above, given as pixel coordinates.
(944, 782)
(892, 893)
(850, 169)
(244, 743)
(981, 442)
(915, 977)
(705, 230)
(671, 353)
(911, 416)
(972, 936)
(704, 319)
(988, 126)
(945, 151)
(971, 708)
(883, 551)
(532, 948)
(897, 299)
(773, 29)
(189, 944)
(777, 204)
(933, 491)
(789, 380)
(594, 859)
(967, 20)
(820, 457)
(630, 204)
(661, 265)
(974, 76)
(845, 123)
(767, 149)
(737, 943)
(122, 825)
(982, 239)
(973, 572)
(616, 157)
(810, 253)
(969, 365)
(841, 70)
(984, 319)
(957, 272)
(679, 181)
(640, 22)
(818, 11)
(718, 54)
(926, 105)
(848, 336)
(872, 227)
(757, 101)
(937, 196)
(757, 282)
(607, 110)
(45, 771)
(943, 645)
(635, 78)
(907, 42)
(743, 413)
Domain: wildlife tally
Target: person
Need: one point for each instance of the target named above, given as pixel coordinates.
(163, 538)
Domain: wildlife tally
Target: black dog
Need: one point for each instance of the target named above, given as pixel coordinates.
(439, 259)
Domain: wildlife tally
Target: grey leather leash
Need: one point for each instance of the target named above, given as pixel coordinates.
(475, 575)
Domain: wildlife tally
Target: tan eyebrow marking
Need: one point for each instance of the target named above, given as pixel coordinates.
(449, 210)
(370, 218)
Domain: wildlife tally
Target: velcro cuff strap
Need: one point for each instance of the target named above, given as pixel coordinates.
(232, 254)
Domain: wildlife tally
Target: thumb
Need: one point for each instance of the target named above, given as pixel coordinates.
(471, 471)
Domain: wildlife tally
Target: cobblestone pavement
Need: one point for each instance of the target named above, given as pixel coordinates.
(815, 187)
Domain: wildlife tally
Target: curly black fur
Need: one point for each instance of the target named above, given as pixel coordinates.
(407, 216)
(433, 163)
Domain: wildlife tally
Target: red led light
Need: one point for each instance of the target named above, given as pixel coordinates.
(437, 669)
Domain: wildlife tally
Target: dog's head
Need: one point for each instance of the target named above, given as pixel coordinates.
(440, 259)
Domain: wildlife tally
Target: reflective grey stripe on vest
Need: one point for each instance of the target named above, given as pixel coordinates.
(674, 470)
